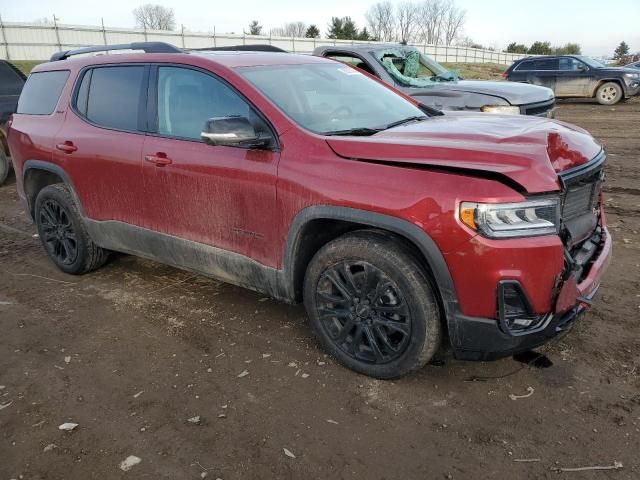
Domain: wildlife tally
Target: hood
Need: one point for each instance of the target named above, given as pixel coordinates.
(513, 92)
(623, 69)
(529, 151)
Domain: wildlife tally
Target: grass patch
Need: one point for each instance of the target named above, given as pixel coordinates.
(26, 65)
(478, 71)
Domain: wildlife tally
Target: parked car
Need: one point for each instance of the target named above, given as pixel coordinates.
(577, 76)
(419, 76)
(11, 83)
(307, 180)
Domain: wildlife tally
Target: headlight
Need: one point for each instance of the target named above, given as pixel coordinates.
(504, 109)
(506, 220)
(632, 75)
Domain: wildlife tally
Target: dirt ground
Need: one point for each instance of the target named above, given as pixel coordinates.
(134, 350)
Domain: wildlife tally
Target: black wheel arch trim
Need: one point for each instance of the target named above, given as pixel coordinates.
(602, 81)
(53, 168)
(411, 232)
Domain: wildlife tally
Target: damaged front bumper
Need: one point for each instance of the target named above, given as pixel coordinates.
(474, 338)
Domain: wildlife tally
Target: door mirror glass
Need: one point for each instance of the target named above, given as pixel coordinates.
(232, 131)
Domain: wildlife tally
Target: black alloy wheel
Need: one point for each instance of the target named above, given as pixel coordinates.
(58, 234)
(363, 312)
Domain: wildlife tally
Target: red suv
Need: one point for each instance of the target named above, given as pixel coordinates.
(400, 228)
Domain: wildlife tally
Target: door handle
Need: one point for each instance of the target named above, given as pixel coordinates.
(67, 146)
(160, 159)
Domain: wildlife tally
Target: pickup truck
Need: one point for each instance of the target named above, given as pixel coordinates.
(415, 74)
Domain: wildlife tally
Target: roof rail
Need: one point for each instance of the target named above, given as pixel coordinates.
(241, 48)
(147, 47)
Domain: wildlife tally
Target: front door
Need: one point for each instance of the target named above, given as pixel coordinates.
(215, 195)
(573, 78)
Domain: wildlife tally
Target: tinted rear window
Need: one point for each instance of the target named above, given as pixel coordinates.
(113, 96)
(541, 64)
(41, 92)
(525, 66)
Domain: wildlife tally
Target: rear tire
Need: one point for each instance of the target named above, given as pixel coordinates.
(372, 306)
(609, 93)
(5, 165)
(63, 233)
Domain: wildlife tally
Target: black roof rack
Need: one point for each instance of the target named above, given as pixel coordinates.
(242, 48)
(147, 47)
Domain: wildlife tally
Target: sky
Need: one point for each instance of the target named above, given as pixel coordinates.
(494, 23)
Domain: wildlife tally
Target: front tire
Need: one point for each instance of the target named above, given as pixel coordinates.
(63, 234)
(371, 305)
(609, 93)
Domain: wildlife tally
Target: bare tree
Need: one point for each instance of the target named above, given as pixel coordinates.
(407, 20)
(43, 21)
(430, 23)
(440, 21)
(381, 20)
(453, 22)
(154, 17)
(291, 29)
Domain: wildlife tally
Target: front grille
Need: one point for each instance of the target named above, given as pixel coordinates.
(580, 197)
(540, 109)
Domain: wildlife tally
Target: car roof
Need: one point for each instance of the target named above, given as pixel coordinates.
(234, 59)
(229, 59)
(365, 46)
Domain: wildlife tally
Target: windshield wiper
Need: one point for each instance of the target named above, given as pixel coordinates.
(360, 131)
(415, 118)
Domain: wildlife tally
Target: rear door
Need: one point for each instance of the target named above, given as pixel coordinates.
(541, 72)
(216, 195)
(100, 143)
(573, 78)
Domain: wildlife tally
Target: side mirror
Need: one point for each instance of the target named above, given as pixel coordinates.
(582, 68)
(232, 132)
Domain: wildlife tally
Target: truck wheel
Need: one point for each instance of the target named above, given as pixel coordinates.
(609, 93)
(371, 305)
(4, 166)
(63, 234)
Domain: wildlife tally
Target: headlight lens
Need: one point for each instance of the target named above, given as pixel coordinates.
(504, 109)
(508, 220)
(632, 75)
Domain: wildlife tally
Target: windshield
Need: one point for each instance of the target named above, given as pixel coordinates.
(412, 68)
(330, 98)
(592, 62)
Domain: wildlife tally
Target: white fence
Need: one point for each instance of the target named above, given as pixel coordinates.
(25, 41)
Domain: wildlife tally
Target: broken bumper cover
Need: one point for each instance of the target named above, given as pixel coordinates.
(475, 338)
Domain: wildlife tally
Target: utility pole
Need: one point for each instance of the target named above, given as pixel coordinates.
(4, 39)
(55, 27)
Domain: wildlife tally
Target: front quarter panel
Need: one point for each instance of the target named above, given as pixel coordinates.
(310, 174)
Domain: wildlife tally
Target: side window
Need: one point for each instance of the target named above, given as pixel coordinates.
(42, 91)
(546, 64)
(570, 64)
(188, 98)
(351, 60)
(525, 66)
(110, 96)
